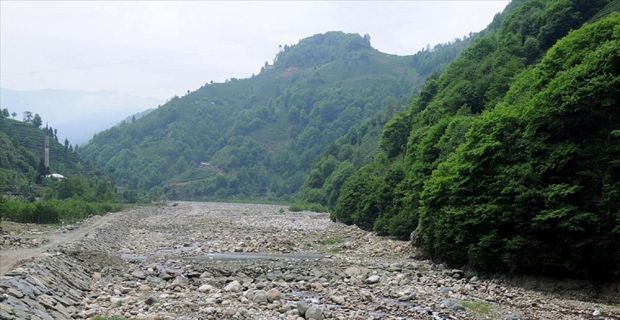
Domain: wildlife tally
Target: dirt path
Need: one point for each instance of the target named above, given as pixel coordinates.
(10, 258)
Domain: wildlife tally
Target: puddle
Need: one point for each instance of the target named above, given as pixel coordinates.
(256, 256)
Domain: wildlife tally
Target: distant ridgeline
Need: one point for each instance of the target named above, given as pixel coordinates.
(509, 160)
(258, 137)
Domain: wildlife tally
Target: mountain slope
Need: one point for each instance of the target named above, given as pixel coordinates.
(257, 137)
(487, 165)
(21, 150)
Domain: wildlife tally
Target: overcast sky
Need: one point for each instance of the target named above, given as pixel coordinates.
(159, 49)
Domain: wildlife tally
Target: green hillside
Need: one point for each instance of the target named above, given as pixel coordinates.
(21, 150)
(508, 160)
(258, 137)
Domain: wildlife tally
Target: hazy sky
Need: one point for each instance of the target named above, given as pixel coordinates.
(160, 49)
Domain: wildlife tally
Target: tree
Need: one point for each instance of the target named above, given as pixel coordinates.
(36, 121)
(5, 113)
(13, 114)
(27, 116)
(66, 144)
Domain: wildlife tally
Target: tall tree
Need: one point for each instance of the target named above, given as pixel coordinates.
(37, 121)
(27, 116)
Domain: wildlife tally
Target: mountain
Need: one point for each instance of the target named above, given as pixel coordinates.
(258, 137)
(507, 161)
(77, 115)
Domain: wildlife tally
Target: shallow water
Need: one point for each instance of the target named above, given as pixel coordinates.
(256, 256)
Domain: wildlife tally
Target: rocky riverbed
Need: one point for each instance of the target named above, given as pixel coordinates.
(244, 261)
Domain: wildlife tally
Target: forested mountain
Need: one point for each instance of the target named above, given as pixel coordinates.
(258, 137)
(508, 161)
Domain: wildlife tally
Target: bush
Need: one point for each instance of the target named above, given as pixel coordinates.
(303, 206)
(53, 211)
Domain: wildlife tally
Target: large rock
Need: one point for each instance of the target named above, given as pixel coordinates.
(139, 274)
(373, 279)
(273, 295)
(260, 297)
(234, 286)
(302, 306)
(337, 299)
(206, 288)
(314, 313)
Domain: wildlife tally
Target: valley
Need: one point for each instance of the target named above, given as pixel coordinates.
(193, 260)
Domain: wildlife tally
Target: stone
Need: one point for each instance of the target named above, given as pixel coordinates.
(206, 288)
(179, 282)
(373, 279)
(337, 299)
(234, 286)
(596, 313)
(139, 274)
(273, 295)
(302, 306)
(260, 297)
(457, 274)
(314, 313)
(15, 293)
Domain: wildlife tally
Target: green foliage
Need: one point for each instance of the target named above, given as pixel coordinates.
(510, 162)
(477, 307)
(543, 167)
(304, 206)
(259, 137)
(52, 211)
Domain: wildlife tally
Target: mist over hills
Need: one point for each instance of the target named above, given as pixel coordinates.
(77, 115)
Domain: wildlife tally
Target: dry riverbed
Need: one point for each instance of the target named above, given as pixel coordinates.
(245, 261)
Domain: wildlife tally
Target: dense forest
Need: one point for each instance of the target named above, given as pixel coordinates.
(508, 161)
(258, 137)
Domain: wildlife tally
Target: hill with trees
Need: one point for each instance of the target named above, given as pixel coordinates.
(508, 160)
(29, 194)
(258, 137)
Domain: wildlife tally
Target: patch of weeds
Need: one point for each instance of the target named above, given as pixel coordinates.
(281, 211)
(477, 307)
(110, 318)
(119, 304)
(331, 241)
(334, 250)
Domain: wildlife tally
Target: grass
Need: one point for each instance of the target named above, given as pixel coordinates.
(110, 318)
(302, 206)
(331, 241)
(53, 211)
(477, 307)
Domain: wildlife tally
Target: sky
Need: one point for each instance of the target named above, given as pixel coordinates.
(160, 49)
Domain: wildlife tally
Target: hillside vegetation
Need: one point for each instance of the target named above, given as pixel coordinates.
(21, 151)
(508, 160)
(258, 137)
(84, 190)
